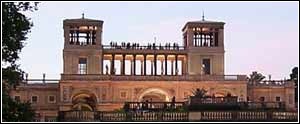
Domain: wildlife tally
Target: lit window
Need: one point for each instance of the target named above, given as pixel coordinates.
(205, 29)
(82, 66)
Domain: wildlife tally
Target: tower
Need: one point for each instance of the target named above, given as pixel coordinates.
(82, 52)
(204, 42)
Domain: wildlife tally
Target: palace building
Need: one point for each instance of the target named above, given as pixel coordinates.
(98, 77)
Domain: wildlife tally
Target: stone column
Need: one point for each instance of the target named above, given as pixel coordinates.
(152, 67)
(145, 56)
(112, 67)
(221, 37)
(176, 65)
(98, 36)
(101, 64)
(214, 37)
(184, 67)
(162, 68)
(134, 60)
(172, 68)
(189, 38)
(142, 70)
(131, 67)
(166, 66)
(201, 38)
(155, 64)
(67, 35)
(123, 64)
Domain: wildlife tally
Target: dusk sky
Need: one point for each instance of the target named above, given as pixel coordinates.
(259, 36)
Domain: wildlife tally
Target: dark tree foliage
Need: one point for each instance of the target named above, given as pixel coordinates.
(256, 77)
(294, 77)
(199, 93)
(15, 27)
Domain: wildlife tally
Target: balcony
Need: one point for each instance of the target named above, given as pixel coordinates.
(144, 49)
(108, 47)
(98, 77)
(272, 83)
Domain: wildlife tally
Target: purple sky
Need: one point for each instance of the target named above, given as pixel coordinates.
(261, 36)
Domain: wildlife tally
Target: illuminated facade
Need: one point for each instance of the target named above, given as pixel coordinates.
(99, 77)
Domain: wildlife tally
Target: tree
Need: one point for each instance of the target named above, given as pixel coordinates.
(15, 110)
(294, 77)
(199, 93)
(15, 28)
(256, 77)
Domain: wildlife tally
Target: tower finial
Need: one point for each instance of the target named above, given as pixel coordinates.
(202, 15)
(82, 15)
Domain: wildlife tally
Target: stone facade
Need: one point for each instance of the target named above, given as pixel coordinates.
(86, 83)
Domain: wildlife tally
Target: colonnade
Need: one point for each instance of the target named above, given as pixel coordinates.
(153, 66)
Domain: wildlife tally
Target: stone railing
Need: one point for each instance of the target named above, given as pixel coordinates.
(44, 107)
(96, 77)
(272, 83)
(75, 116)
(39, 84)
(262, 105)
(40, 81)
(242, 116)
(153, 106)
(143, 47)
(214, 116)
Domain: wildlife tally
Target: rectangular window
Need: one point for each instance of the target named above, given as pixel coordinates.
(34, 99)
(51, 99)
(103, 96)
(123, 94)
(262, 99)
(17, 98)
(186, 95)
(82, 66)
(278, 99)
(291, 98)
(206, 66)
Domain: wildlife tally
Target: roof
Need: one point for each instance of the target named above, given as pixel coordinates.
(41, 86)
(203, 22)
(82, 20)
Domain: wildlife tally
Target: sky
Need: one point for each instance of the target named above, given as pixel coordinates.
(259, 36)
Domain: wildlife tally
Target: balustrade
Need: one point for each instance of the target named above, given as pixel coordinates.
(88, 77)
(178, 116)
